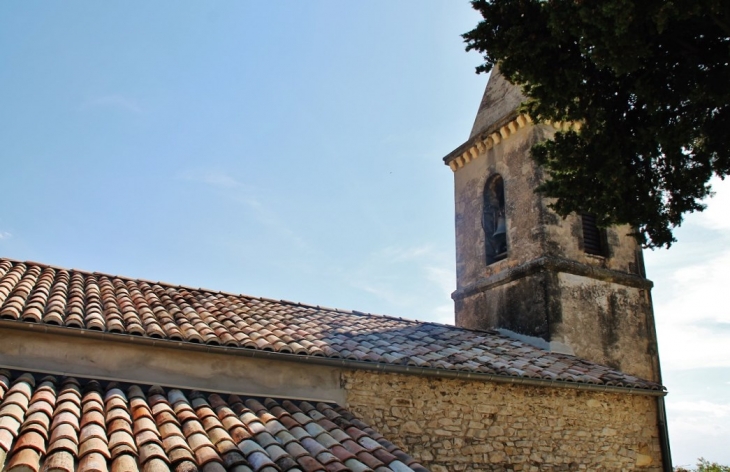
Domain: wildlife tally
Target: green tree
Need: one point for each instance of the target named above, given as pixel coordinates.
(649, 81)
(704, 465)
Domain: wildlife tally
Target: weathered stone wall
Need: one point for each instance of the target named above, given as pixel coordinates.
(547, 287)
(608, 323)
(525, 211)
(525, 306)
(533, 230)
(604, 322)
(461, 425)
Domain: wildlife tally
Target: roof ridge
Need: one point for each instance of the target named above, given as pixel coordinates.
(268, 299)
(137, 279)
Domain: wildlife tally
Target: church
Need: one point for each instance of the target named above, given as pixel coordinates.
(552, 364)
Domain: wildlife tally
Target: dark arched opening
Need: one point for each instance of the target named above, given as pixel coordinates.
(494, 220)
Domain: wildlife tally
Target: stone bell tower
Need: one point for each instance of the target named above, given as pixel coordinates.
(563, 284)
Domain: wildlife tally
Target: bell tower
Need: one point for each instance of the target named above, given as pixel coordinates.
(562, 284)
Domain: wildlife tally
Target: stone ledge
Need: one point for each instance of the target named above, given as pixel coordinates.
(555, 264)
(493, 136)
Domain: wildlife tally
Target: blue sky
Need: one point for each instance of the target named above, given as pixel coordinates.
(290, 150)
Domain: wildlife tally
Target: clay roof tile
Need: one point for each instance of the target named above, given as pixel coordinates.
(160, 310)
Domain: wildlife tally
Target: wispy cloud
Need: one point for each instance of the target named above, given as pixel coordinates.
(694, 317)
(443, 314)
(271, 219)
(385, 291)
(400, 254)
(5, 235)
(719, 410)
(442, 277)
(716, 214)
(114, 101)
(215, 178)
(416, 279)
(233, 189)
(691, 281)
(698, 428)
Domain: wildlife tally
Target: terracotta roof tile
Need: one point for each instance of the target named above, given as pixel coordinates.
(33, 293)
(201, 437)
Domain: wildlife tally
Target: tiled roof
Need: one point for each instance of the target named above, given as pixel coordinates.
(65, 425)
(35, 293)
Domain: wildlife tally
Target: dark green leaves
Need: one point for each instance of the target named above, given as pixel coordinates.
(649, 81)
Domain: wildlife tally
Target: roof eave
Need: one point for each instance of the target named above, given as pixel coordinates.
(332, 362)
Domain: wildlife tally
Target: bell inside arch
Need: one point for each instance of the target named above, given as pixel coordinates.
(501, 229)
(494, 220)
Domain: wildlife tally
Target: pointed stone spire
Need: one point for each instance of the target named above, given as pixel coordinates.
(500, 100)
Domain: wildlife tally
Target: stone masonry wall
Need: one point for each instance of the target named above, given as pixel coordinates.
(462, 425)
(607, 323)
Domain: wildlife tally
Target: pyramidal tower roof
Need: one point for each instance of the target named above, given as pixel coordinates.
(500, 100)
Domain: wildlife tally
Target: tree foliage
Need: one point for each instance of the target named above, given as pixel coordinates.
(704, 465)
(648, 80)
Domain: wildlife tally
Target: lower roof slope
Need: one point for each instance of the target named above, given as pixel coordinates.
(65, 425)
(37, 293)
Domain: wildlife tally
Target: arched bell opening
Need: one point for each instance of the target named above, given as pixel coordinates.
(494, 220)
